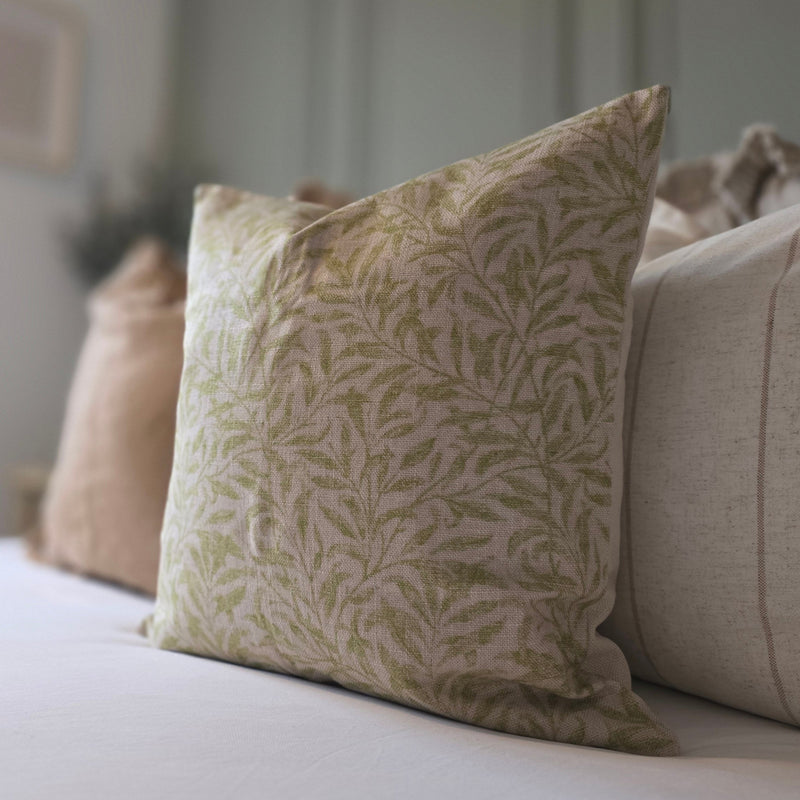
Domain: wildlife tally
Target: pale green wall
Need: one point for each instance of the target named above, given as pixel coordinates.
(366, 93)
(363, 93)
(242, 88)
(124, 114)
(735, 62)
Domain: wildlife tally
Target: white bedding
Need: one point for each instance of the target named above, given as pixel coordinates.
(89, 710)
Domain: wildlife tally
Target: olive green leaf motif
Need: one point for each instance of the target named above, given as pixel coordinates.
(397, 464)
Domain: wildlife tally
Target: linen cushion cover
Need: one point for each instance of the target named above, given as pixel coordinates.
(728, 189)
(708, 592)
(398, 461)
(669, 228)
(105, 503)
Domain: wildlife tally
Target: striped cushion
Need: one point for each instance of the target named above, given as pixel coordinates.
(709, 582)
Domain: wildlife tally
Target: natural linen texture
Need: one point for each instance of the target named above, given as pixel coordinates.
(105, 502)
(398, 461)
(709, 586)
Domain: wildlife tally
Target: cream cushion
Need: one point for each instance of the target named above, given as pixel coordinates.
(709, 584)
(669, 229)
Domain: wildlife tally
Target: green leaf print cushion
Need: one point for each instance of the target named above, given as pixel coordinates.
(398, 462)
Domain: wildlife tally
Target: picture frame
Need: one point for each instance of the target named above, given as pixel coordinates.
(41, 64)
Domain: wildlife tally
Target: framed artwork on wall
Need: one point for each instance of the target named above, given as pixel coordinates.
(41, 44)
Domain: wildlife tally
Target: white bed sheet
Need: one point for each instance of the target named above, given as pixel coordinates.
(89, 710)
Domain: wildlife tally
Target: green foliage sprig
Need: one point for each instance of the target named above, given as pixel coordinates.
(161, 207)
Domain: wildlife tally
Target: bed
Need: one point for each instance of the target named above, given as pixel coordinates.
(90, 709)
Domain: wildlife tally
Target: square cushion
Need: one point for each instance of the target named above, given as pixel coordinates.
(709, 595)
(104, 506)
(398, 460)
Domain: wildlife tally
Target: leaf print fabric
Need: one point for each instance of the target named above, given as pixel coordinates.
(398, 459)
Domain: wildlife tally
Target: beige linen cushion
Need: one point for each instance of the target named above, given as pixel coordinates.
(398, 460)
(105, 503)
(728, 189)
(669, 228)
(709, 585)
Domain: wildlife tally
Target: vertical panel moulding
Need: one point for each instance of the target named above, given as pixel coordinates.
(341, 115)
(604, 52)
(547, 84)
(318, 111)
(657, 58)
(565, 34)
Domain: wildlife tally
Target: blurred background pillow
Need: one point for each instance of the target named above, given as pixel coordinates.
(105, 503)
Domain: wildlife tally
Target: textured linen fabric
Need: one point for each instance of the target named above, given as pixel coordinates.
(90, 711)
(708, 591)
(728, 189)
(398, 461)
(669, 229)
(105, 502)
